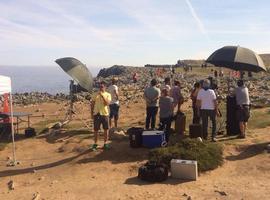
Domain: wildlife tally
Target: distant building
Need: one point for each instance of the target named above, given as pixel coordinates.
(159, 66)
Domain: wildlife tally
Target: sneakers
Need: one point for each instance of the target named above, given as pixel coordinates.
(94, 147)
(106, 147)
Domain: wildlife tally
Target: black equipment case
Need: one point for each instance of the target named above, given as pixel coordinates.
(29, 132)
(232, 124)
(153, 172)
(135, 137)
(195, 130)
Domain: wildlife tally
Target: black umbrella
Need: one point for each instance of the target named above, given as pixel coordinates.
(237, 58)
(78, 71)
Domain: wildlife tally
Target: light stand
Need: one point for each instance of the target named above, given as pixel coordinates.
(71, 110)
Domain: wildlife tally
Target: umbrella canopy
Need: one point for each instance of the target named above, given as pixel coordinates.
(237, 58)
(78, 71)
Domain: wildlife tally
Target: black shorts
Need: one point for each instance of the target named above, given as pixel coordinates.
(243, 113)
(114, 111)
(101, 119)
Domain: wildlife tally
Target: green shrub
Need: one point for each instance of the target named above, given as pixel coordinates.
(2, 146)
(208, 155)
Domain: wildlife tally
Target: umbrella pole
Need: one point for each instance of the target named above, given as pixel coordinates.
(12, 131)
(71, 94)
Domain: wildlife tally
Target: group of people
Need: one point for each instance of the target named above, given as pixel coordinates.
(205, 105)
(167, 99)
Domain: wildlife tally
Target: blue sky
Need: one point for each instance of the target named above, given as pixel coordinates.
(128, 32)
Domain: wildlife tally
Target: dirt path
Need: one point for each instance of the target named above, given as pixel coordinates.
(56, 168)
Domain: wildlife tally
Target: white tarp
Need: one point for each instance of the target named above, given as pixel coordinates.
(5, 85)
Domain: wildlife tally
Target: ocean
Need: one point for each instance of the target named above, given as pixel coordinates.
(39, 79)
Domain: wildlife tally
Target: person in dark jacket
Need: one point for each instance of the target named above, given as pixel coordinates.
(151, 96)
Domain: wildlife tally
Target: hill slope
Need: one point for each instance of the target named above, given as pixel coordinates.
(266, 59)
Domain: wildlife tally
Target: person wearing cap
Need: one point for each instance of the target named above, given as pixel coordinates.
(243, 107)
(151, 96)
(207, 102)
(114, 105)
(100, 114)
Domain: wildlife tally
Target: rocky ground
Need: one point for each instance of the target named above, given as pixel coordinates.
(59, 164)
(258, 85)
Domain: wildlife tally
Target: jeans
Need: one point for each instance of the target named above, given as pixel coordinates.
(151, 113)
(196, 117)
(165, 124)
(212, 115)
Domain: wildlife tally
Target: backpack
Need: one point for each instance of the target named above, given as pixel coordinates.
(153, 172)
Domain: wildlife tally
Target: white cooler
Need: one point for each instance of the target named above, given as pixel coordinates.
(184, 169)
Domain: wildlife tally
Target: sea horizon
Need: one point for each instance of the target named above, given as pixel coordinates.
(50, 79)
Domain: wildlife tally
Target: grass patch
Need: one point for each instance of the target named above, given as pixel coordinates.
(260, 118)
(208, 155)
(75, 125)
(2, 146)
(43, 125)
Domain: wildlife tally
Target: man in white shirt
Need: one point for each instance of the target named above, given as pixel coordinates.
(207, 102)
(114, 105)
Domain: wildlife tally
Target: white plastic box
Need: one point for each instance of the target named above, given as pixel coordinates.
(184, 169)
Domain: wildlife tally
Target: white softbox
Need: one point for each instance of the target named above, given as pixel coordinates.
(5, 85)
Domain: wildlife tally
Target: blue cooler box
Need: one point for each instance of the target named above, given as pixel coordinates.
(153, 139)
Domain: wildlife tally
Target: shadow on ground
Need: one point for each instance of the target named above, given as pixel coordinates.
(224, 138)
(248, 151)
(120, 152)
(14, 172)
(169, 181)
(58, 135)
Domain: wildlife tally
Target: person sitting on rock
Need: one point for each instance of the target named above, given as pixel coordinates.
(100, 114)
(151, 96)
(114, 105)
(243, 106)
(166, 112)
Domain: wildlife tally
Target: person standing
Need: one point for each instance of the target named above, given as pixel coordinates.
(166, 112)
(193, 96)
(151, 96)
(243, 107)
(114, 105)
(135, 77)
(100, 114)
(178, 99)
(167, 84)
(207, 102)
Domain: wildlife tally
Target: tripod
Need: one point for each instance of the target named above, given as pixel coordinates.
(71, 110)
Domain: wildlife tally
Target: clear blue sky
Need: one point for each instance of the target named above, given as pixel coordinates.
(129, 32)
